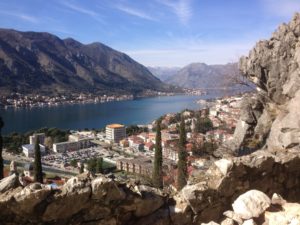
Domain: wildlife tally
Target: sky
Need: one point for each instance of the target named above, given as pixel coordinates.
(163, 33)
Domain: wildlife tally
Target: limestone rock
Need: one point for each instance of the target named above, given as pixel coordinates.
(105, 189)
(285, 131)
(290, 215)
(251, 204)
(72, 199)
(249, 222)
(194, 195)
(228, 221)
(9, 182)
(274, 66)
(224, 165)
(233, 216)
(210, 223)
(277, 199)
(30, 197)
(147, 204)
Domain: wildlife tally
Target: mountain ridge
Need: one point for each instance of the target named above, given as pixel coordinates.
(40, 60)
(202, 75)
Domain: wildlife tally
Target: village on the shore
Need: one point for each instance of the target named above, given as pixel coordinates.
(130, 153)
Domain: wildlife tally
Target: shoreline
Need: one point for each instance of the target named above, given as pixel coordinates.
(90, 101)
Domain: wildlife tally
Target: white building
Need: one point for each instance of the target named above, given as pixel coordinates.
(70, 146)
(115, 132)
(40, 136)
(28, 150)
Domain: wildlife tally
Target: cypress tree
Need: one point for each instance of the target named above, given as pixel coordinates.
(182, 158)
(81, 169)
(1, 145)
(99, 167)
(157, 174)
(182, 133)
(38, 175)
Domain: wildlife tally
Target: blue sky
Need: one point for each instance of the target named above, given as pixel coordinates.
(156, 32)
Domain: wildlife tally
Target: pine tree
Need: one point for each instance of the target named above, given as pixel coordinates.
(157, 174)
(182, 158)
(38, 175)
(1, 145)
(99, 166)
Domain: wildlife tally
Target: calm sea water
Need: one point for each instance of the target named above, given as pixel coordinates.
(80, 116)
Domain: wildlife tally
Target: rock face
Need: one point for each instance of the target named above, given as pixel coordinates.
(274, 66)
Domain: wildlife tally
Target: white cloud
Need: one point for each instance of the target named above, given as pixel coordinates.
(83, 10)
(284, 8)
(182, 9)
(79, 9)
(135, 12)
(21, 16)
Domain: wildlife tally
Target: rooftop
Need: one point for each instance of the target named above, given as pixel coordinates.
(115, 125)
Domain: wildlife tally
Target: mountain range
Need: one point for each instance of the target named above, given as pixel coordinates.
(164, 73)
(38, 62)
(198, 75)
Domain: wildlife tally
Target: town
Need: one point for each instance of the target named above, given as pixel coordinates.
(17, 100)
(129, 152)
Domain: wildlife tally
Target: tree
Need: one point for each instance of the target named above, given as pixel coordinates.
(99, 166)
(157, 174)
(81, 169)
(182, 133)
(182, 158)
(48, 142)
(38, 175)
(92, 165)
(73, 163)
(203, 125)
(1, 145)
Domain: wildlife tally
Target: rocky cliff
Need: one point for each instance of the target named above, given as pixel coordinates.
(103, 201)
(272, 118)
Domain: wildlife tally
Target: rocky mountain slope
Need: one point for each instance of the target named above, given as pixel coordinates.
(201, 75)
(164, 73)
(41, 62)
(272, 118)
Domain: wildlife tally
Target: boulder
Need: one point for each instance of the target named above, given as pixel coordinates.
(289, 215)
(72, 199)
(29, 198)
(9, 183)
(210, 223)
(147, 204)
(277, 200)
(224, 165)
(106, 190)
(249, 222)
(251, 204)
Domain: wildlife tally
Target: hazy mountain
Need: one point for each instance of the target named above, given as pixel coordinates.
(201, 75)
(164, 73)
(32, 62)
